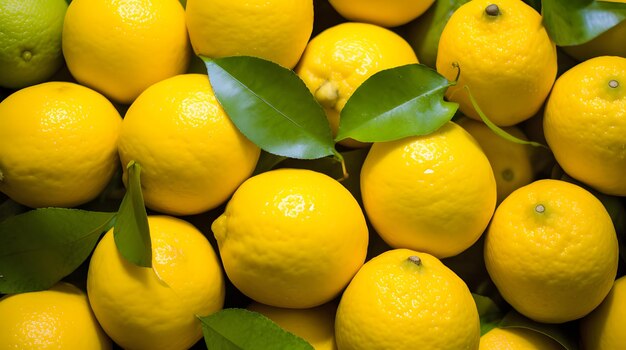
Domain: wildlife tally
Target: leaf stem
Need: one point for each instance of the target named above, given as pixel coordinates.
(339, 157)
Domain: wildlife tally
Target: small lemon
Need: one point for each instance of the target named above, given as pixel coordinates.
(603, 328)
(517, 339)
(386, 13)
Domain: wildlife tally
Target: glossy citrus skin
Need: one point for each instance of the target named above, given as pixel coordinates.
(121, 47)
(585, 122)
(551, 250)
(276, 30)
(508, 61)
(192, 156)
(381, 12)
(339, 59)
(603, 328)
(30, 41)
(517, 339)
(416, 196)
(396, 303)
(57, 318)
(291, 238)
(315, 325)
(58, 144)
(156, 308)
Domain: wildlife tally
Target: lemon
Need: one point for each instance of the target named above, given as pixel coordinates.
(416, 196)
(58, 144)
(121, 47)
(339, 59)
(30, 41)
(517, 339)
(602, 329)
(585, 121)
(275, 30)
(57, 318)
(504, 56)
(551, 251)
(156, 308)
(510, 161)
(192, 156)
(315, 325)
(291, 238)
(385, 13)
(403, 299)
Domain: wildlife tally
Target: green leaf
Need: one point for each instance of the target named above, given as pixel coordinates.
(536, 4)
(574, 22)
(241, 329)
(131, 233)
(565, 334)
(271, 106)
(10, 208)
(489, 313)
(40, 247)
(396, 103)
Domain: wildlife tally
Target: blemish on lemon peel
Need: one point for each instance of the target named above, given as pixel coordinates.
(327, 94)
(415, 259)
(492, 10)
(613, 83)
(27, 55)
(507, 174)
(539, 208)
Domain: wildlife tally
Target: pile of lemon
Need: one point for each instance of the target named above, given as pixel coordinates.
(91, 85)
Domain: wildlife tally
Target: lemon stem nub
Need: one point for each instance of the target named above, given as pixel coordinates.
(415, 259)
(613, 84)
(540, 208)
(327, 94)
(492, 10)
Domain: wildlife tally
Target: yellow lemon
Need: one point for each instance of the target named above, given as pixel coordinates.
(339, 59)
(517, 339)
(315, 325)
(275, 30)
(30, 41)
(156, 308)
(121, 47)
(551, 251)
(58, 144)
(403, 299)
(382, 12)
(504, 56)
(585, 122)
(57, 318)
(603, 329)
(510, 161)
(609, 43)
(416, 194)
(192, 156)
(291, 238)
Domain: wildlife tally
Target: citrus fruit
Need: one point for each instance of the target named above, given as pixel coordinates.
(57, 318)
(551, 251)
(192, 156)
(502, 52)
(155, 308)
(275, 30)
(339, 59)
(517, 339)
(291, 238)
(403, 299)
(416, 196)
(602, 329)
(585, 121)
(609, 43)
(315, 325)
(30, 41)
(58, 144)
(121, 47)
(385, 13)
(510, 161)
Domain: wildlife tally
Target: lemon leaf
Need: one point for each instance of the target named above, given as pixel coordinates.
(574, 22)
(489, 313)
(396, 103)
(271, 106)
(40, 247)
(131, 233)
(241, 329)
(564, 334)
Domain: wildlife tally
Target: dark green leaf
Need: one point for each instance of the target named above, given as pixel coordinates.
(267, 161)
(271, 106)
(574, 22)
(396, 103)
(132, 234)
(241, 329)
(565, 334)
(489, 313)
(40, 247)
(10, 208)
(536, 4)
